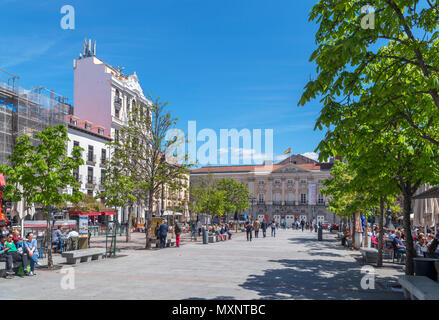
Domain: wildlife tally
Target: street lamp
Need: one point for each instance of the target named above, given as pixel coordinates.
(252, 202)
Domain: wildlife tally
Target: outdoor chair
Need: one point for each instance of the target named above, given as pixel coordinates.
(399, 256)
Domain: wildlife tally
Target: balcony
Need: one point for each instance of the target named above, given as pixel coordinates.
(321, 203)
(261, 203)
(91, 159)
(91, 182)
(117, 103)
(103, 163)
(277, 203)
(290, 203)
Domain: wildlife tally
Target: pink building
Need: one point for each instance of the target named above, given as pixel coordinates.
(102, 94)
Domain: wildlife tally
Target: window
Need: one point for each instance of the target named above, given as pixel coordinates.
(321, 200)
(261, 198)
(90, 192)
(116, 135)
(75, 143)
(102, 176)
(90, 153)
(290, 181)
(276, 181)
(303, 198)
(101, 131)
(76, 175)
(90, 175)
(87, 126)
(302, 181)
(103, 155)
(261, 182)
(73, 121)
(320, 181)
(117, 113)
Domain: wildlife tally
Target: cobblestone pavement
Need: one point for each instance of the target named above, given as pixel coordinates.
(292, 265)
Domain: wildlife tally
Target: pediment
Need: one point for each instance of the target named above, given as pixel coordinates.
(288, 168)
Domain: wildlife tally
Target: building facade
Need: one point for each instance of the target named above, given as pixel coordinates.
(287, 191)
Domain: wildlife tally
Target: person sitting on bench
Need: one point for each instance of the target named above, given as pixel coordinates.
(56, 237)
(6, 258)
(11, 250)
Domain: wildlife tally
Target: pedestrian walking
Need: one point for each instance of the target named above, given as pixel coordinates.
(248, 228)
(199, 228)
(264, 228)
(256, 226)
(302, 223)
(297, 224)
(273, 228)
(311, 226)
(193, 231)
(177, 230)
(163, 232)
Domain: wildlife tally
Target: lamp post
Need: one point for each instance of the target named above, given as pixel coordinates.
(252, 202)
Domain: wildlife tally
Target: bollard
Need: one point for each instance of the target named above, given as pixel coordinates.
(205, 236)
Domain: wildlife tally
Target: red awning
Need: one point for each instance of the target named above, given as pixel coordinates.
(93, 213)
(2, 181)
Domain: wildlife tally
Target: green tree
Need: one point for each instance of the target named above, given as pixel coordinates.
(236, 195)
(119, 187)
(146, 148)
(393, 68)
(40, 172)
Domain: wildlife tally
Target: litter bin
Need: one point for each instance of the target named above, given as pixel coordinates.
(320, 234)
(205, 236)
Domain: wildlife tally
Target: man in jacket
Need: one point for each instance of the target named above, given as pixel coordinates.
(163, 232)
(264, 228)
(248, 229)
(257, 226)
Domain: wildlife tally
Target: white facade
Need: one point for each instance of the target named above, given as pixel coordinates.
(95, 155)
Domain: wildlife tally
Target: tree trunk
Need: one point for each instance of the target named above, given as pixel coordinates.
(49, 240)
(410, 251)
(129, 226)
(353, 224)
(366, 236)
(381, 233)
(148, 219)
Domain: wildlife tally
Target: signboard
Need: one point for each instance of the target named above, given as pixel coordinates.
(154, 223)
(312, 191)
(83, 226)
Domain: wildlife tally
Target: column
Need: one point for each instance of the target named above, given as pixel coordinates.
(283, 191)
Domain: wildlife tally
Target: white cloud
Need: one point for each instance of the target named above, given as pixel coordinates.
(311, 155)
(281, 157)
(25, 48)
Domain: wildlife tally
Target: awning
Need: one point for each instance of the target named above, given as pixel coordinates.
(92, 213)
(171, 213)
(430, 193)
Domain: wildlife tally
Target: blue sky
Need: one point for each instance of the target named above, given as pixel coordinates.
(223, 63)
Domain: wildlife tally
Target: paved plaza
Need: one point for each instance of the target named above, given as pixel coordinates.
(293, 265)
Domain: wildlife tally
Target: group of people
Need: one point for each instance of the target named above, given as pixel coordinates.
(161, 233)
(423, 243)
(257, 226)
(14, 249)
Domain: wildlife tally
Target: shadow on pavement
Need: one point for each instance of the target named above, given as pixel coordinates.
(216, 298)
(315, 279)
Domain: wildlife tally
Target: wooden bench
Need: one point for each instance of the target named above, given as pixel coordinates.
(370, 255)
(420, 288)
(83, 255)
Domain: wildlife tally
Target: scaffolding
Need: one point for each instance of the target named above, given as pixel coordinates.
(26, 112)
